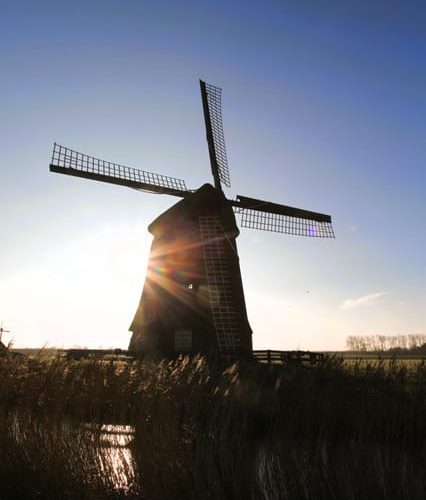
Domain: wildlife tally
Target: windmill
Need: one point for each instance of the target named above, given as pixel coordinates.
(193, 298)
(3, 348)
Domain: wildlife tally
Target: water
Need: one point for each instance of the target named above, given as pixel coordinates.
(115, 456)
(100, 457)
(104, 450)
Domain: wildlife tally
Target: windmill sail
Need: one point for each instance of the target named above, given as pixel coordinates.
(220, 284)
(211, 97)
(69, 162)
(267, 216)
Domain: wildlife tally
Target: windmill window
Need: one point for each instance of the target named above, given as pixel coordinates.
(193, 287)
(183, 340)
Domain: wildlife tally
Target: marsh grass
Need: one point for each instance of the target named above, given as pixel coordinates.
(249, 431)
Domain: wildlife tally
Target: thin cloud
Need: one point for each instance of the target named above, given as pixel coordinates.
(366, 300)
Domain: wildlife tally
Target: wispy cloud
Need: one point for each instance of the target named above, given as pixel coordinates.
(366, 300)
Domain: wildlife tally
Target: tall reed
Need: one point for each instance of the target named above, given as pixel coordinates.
(247, 431)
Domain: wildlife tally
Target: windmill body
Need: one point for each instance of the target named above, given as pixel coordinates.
(193, 300)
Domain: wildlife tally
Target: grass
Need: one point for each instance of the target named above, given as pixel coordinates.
(332, 432)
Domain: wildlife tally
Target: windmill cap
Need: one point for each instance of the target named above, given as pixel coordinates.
(206, 200)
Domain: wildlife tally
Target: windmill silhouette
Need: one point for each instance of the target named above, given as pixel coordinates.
(193, 298)
(2, 330)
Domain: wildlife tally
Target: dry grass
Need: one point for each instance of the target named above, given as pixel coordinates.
(333, 432)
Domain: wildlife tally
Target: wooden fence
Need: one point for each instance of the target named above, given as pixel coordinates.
(287, 357)
(307, 358)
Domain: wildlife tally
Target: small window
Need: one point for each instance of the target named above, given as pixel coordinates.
(183, 340)
(193, 287)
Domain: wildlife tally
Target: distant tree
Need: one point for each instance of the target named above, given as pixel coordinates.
(380, 343)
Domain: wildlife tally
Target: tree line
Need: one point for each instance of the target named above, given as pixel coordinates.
(410, 343)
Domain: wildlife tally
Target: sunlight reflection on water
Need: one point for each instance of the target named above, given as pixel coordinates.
(115, 456)
(108, 445)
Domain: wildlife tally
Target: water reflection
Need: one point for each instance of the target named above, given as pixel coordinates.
(115, 457)
(100, 451)
(107, 460)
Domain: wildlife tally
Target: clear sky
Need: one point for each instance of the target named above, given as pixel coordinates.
(324, 107)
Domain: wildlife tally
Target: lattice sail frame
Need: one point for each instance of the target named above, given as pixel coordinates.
(220, 284)
(67, 158)
(278, 223)
(214, 102)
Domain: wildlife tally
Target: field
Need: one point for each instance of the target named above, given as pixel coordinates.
(187, 430)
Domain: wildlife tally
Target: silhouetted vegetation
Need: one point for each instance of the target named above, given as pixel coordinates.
(252, 431)
(409, 344)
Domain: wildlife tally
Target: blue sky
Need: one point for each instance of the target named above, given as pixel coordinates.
(324, 108)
